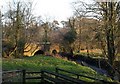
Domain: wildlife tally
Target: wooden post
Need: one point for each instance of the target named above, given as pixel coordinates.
(99, 63)
(42, 76)
(77, 76)
(56, 69)
(24, 72)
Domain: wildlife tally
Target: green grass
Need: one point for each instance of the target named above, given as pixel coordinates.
(37, 63)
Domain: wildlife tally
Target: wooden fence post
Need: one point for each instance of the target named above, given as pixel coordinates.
(42, 76)
(56, 70)
(77, 76)
(24, 72)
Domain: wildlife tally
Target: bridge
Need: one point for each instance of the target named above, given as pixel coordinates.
(31, 48)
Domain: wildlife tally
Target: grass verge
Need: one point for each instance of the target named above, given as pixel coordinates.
(37, 63)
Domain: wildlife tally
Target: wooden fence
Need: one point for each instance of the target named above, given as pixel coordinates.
(44, 76)
(12, 76)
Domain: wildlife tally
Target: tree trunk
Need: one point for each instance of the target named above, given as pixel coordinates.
(110, 36)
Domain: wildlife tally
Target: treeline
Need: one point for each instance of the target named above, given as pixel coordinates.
(92, 26)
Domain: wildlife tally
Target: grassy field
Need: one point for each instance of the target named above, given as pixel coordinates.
(37, 63)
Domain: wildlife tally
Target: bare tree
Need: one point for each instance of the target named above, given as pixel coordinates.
(15, 26)
(105, 13)
(107, 31)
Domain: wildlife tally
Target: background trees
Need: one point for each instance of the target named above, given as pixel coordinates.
(16, 23)
(110, 28)
(107, 29)
(70, 36)
(97, 22)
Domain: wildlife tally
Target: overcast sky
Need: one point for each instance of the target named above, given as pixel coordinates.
(56, 9)
(53, 9)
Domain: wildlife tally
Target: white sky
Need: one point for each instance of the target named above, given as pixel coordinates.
(56, 9)
(53, 9)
